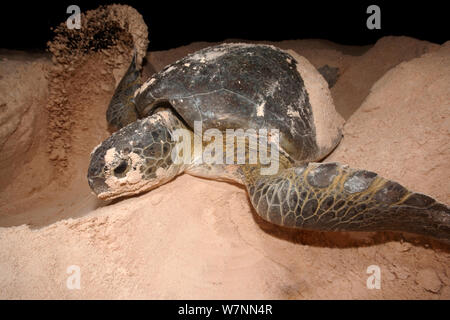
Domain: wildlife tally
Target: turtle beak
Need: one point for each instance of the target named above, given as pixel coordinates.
(95, 177)
(97, 185)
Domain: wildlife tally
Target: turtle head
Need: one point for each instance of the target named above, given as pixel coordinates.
(134, 159)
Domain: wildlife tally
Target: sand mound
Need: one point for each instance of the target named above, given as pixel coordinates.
(195, 238)
(405, 126)
(71, 120)
(84, 61)
(365, 70)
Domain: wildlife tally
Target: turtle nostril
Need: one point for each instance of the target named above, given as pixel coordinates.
(121, 168)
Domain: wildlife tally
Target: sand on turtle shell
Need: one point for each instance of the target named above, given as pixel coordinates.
(327, 121)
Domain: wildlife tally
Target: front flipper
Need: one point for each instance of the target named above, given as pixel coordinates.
(121, 110)
(333, 197)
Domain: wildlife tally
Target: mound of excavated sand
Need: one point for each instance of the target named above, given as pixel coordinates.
(357, 79)
(405, 124)
(103, 45)
(69, 113)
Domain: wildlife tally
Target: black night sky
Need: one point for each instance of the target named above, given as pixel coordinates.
(26, 25)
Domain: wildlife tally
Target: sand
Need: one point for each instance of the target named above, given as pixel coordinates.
(195, 238)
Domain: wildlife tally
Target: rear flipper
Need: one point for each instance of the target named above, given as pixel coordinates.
(121, 110)
(333, 197)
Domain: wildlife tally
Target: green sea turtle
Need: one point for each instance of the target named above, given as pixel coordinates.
(243, 86)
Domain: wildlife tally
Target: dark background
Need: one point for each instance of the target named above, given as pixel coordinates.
(26, 25)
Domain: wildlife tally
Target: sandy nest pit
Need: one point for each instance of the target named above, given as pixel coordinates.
(195, 238)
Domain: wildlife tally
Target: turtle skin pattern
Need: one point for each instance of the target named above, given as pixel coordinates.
(154, 148)
(121, 110)
(334, 197)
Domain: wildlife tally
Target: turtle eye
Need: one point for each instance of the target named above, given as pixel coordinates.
(121, 168)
